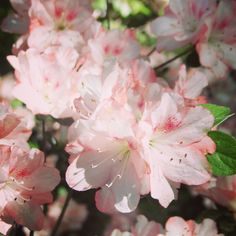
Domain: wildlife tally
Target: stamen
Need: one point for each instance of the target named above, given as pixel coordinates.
(113, 157)
(21, 185)
(121, 170)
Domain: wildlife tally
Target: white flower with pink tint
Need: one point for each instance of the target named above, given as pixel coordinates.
(190, 85)
(97, 84)
(114, 45)
(105, 154)
(59, 22)
(25, 185)
(183, 23)
(15, 126)
(217, 48)
(177, 226)
(170, 133)
(45, 80)
(143, 227)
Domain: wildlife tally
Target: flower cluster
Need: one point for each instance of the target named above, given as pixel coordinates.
(175, 226)
(25, 181)
(131, 133)
(209, 26)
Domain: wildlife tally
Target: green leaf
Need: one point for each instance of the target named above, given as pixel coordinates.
(16, 103)
(223, 161)
(220, 113)
(33, 144)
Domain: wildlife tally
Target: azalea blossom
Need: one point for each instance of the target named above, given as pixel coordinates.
(143, 227)
(177, 226)
(171, 133)
(25, 185)
(48, 79)
(190, 85)
(97, 84)
(59, 22)
(183, 23)
(114, 45)
(16, 126)
(105, 153)
(217, 48)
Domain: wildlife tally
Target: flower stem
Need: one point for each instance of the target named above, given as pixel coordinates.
(108, 14)
(44, 135)
(31, 233)
(60, 218)
(185, 52)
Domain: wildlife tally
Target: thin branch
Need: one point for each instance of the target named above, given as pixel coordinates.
(108, 14)
(44, 135)
(60, 218)
(187, 51)
(151, 52)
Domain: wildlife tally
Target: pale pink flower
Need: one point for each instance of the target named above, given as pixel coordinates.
(120, 221)
(97, 84)
(171, 131)
(59, 22)
(177, 226)
(105, 154)
(190, 85)
(114, 45)
(25, 185)
(183, 23)
(15, 126)
(143, 227)
(45, 80)
(217, 48)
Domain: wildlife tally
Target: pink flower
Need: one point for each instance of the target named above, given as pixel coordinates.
(190, 85)
(96, 84)
(59, 22)
(45, 80)
(177, 226)
(217, 48)
(15, 127)
(183, 23)
(170, 133)
(25, 185)
(143, 227)
(114, 44)
(105, 154)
